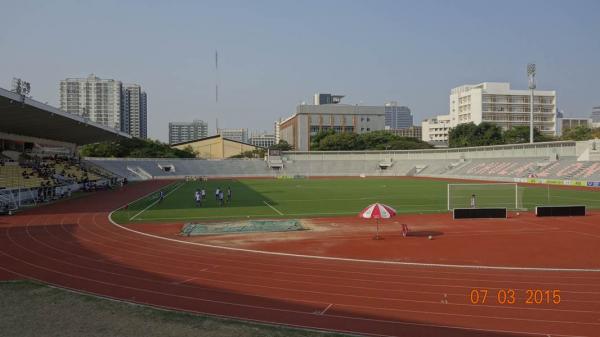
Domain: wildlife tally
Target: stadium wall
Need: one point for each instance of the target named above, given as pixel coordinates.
(541, 150)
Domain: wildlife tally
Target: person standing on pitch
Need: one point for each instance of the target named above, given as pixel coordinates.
(203, 193)
(221, 198)
(228, 194)
(217, 192)
(473, 201)
(198, 198)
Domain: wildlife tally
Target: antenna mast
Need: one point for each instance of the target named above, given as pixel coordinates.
(217, 89)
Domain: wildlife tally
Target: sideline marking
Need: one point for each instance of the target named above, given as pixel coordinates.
(317, 257)
(156, 201)
(287, 214)
(273, 208)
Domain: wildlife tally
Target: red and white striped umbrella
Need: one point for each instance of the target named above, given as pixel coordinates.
(377, 211)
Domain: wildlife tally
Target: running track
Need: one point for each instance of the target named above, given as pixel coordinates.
(73, 245)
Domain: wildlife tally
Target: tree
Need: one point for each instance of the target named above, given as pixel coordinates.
(520, 134)
(462, 135)
(378, 139)
(316, 139)
(256, 153)
(375, 140)
(487, 134)
(345, 141)
(282, 146)
(134, 148)
(469, 134)
(577, 133)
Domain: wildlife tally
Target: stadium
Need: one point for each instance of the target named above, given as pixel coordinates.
(486, 241)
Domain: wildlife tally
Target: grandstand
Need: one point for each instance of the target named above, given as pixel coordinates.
(565, 160)
(38, 151)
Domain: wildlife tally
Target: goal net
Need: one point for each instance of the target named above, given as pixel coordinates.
(492, 195)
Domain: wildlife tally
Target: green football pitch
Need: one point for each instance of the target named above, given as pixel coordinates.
(298, 198)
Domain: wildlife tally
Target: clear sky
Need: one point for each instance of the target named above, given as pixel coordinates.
(275, 54)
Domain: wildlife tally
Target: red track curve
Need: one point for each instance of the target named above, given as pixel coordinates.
(73, 245)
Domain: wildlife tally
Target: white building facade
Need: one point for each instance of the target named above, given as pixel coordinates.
(97, 99)
(435, 130)
(497, 103)
(107, 102)
(262, 140)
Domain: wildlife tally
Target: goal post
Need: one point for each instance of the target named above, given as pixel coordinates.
(486, 195)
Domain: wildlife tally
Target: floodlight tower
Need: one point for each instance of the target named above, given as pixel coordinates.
(531, 75)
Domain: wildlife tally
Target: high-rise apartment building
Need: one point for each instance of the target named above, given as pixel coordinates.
(239, 135)
(97, 99)
(397, 117)
(107, 102)
(135, 111)
(595, 116)
(181, 132)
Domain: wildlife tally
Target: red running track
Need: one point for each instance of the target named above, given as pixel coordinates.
(72, 244)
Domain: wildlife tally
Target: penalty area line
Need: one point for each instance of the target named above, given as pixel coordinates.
(155, 202)
(273, 208)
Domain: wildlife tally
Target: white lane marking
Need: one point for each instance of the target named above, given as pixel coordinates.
(324, 311)
(273, 208)
(155, 202)
(414, 264)
(184, 281)
(399, 263)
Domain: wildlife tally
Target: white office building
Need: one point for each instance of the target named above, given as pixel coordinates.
(181, 132)
(262, 140)
(435, 130)
(499, 104)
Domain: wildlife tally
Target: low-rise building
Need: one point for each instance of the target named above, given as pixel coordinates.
(309, 120)
(216, 147)
(410, 132)
(435, 130)
(566, 123)
(262, 140)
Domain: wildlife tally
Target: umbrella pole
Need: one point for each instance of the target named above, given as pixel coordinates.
(377, 235)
